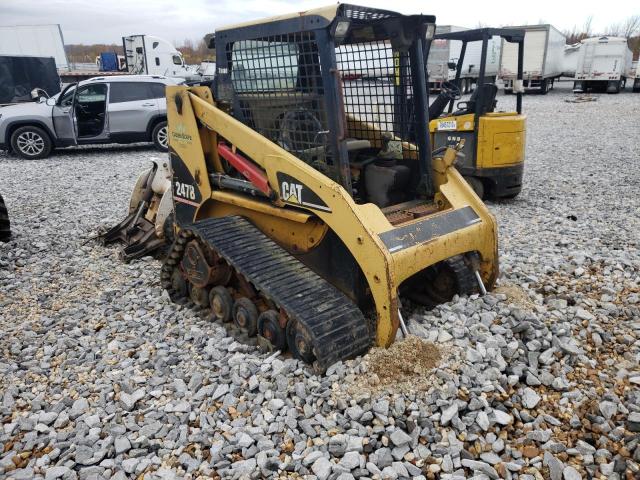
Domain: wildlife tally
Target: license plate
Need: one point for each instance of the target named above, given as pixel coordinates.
(447, 125)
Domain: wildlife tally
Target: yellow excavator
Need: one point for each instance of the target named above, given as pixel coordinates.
(306, 197)
(493, 155)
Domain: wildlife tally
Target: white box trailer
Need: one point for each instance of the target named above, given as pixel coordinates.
(444, 54)
(570, 62)
(34, 41)
(604, 64)
(441, 54)
(543, 58)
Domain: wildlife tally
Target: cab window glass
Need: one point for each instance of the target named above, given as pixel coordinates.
(129, 92)
(157, 90)
(177, 60)
(260, 66)
(67, 98)
(96, 92)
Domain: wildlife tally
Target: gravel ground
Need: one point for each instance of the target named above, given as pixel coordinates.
(102, 377)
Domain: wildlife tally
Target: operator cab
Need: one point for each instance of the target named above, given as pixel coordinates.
(483, 99)
(344, 91)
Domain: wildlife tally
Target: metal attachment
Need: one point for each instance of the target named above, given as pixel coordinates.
(403, 326)
(483, 290)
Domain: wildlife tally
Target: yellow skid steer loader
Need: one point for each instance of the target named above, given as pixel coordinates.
(306, 197)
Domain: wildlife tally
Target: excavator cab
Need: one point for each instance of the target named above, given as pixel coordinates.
(493, 161)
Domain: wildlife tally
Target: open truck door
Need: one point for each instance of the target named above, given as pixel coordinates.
(63, 115)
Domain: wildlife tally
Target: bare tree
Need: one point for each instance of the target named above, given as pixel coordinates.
(613, 30)
(631, 26)
(586, 28)
(576, 34)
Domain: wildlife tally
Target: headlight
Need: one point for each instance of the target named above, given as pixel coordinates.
(431, 30)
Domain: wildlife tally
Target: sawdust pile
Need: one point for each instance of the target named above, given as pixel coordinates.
(409, 357)
(516, 295)
(408, 365)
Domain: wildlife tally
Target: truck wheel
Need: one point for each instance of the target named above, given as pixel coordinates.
(31, 142)
(160, 136)
(544, 88)
(614, 87)
(477, 185)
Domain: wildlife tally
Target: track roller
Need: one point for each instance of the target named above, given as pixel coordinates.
(199, 295)
(269, 328)
(245, 316)
(179, 287)
(299, 342)
(221, 304)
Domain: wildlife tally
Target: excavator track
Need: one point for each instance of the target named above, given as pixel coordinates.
(335, 326)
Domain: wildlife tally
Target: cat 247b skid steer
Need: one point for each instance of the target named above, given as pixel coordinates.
(306, 197)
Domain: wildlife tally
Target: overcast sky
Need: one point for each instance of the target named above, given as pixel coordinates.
(106, 21)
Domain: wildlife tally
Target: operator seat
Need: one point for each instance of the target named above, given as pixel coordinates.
(486, 103)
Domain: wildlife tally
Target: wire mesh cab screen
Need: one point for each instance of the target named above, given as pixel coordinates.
(311, 97)
(278, 86)
(377, 92)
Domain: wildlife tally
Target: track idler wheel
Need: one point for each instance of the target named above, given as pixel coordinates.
(269, 328)
(221, 304)
(179, 287)
(245, 316)
(299, 342)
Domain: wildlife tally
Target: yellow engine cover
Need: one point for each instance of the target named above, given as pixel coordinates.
(501, 136)
(501, 140)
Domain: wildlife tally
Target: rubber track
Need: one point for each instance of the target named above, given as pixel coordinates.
(337, 328)
(5, 226)
(465, 278)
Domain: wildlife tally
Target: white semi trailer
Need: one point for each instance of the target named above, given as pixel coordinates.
(34, 41)
(570, 62)
(604, 64)
(543, 58)
(150, 55)
(444, 54)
